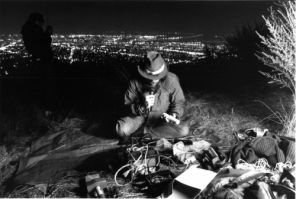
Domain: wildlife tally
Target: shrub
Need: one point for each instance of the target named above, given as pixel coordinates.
(244, 42)
(279, 53)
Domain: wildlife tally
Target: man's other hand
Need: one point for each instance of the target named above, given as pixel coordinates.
(171, 118)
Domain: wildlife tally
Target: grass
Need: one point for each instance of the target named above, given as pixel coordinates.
(279, 112)
(219, 113)
(212, 116)
(216, 117)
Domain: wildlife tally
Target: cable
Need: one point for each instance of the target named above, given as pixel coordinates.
(140, 164)
(115, 176)
(140, 159)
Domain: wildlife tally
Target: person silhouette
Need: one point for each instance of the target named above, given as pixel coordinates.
(37, 38)
(37, 41)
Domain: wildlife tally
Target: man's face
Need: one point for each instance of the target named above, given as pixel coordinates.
(153, 83)
(148, 84)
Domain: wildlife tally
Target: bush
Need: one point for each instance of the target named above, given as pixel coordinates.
(279, 53)
(244, 42)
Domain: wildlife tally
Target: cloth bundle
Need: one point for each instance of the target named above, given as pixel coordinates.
(270, 146)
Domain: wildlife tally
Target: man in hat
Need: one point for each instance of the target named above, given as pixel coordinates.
(155, 92)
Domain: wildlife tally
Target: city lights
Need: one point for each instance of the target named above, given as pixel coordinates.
(73, 48)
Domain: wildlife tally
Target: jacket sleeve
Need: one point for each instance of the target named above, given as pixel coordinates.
(177, 98)
(132, 100)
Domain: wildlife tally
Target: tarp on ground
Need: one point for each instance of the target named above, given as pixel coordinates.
(61, 151)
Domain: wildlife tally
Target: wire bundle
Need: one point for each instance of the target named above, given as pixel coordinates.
(145, 161)
(138, 165)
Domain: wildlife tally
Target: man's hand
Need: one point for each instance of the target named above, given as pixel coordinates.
(149, 100)
(170, 118)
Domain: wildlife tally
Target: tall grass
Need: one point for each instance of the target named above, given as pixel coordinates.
(216, 117)
(281, 117)
(279, 53)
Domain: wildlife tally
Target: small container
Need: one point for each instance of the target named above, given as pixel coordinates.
(100, 192)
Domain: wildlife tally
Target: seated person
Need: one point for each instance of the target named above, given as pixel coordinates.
(156, 91)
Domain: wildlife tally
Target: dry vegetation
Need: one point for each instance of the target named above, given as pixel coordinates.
(278, 52)
(213, 117)
(217, 117)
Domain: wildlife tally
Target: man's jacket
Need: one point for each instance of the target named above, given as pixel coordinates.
(169, 98)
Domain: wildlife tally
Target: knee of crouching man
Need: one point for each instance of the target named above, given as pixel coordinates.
(184, 130)
(122, 129)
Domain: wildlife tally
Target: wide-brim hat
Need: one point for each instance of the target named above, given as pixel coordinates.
(155, 67)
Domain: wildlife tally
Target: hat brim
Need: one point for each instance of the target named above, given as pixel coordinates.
(153, 77)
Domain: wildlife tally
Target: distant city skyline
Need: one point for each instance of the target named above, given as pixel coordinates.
(74, 48)
(93, 17)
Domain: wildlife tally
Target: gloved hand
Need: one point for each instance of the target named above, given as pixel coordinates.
(149, 101)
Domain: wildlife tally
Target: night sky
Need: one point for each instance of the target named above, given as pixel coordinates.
(208, 18)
